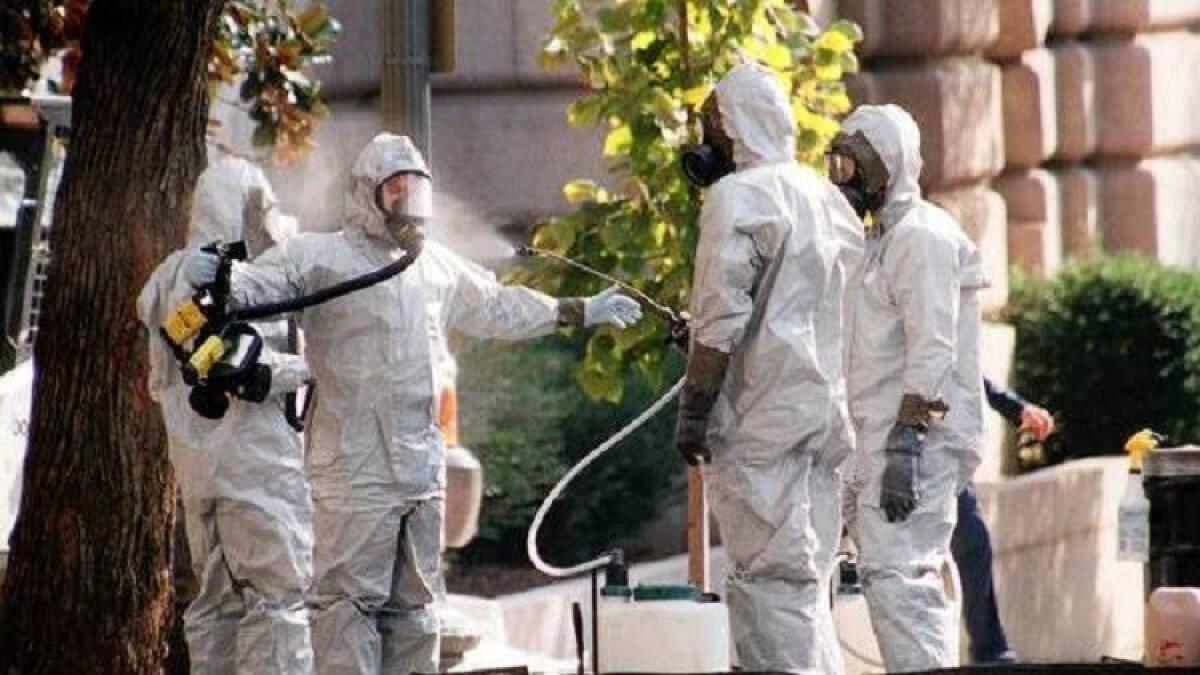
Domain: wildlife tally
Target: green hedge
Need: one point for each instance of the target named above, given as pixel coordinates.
(524, 415)
(1110, 347)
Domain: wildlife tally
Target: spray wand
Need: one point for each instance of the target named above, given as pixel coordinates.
(678, 332)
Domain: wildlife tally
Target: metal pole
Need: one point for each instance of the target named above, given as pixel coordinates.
(698, 535)
(405, 73)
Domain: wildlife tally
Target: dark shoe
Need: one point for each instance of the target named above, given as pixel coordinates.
(1004, 658)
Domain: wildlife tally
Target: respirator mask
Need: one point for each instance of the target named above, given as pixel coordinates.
(705, 164)
(858, 172)
(712, 160)
(406, 200)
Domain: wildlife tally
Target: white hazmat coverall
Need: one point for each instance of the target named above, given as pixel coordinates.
(248, 513)
(777, 245)
(376, 460)
(914, 323)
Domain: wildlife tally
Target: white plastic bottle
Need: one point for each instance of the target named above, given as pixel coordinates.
(1133, 513)
(1133, 521)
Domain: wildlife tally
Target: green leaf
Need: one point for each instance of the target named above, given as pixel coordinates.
(613, 19)
(580, 190)
(836, 41)
(584, 112)
(849, 29)
(642, 40)
(696, 96)
(313, 18)
(618, 141)
(777, 57)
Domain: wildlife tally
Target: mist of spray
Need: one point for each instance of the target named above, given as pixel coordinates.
(314, 189)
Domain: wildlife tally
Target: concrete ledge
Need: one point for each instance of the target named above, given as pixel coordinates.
(1063, 596)
(1030, 109)
(957, 105)
(1146, 94)
(1023, 26)
(983, 216)
(1150, 207)
(1075, 83)
(922, 27)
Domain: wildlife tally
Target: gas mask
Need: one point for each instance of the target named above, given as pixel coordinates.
(858, 172)
(406, 205)
(710, 161)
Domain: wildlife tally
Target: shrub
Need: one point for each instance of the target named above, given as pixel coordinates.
(528, 421)
(1110, 347)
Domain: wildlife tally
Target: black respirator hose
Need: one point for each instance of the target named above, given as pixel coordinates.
(258, 312)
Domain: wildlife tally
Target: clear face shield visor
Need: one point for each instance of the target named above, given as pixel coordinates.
(407, 196)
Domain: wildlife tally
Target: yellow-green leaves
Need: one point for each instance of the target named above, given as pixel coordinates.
(644, 81)
(642, 40)
(581, 190)
(695, 96)
(618, 141)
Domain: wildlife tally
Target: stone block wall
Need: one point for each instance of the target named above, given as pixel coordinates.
(928, 57)
(1096, 134)
(1099, 128)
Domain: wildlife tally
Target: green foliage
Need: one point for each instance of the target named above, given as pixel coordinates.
(646, 84)
(266, 40)
(1110, 347)
(528, 423)
(271, 46)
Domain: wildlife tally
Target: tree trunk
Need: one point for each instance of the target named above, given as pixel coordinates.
(89, 586)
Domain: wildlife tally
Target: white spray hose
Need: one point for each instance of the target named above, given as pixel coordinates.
(531, 538)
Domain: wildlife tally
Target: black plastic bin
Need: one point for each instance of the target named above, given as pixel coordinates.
(1172, 480)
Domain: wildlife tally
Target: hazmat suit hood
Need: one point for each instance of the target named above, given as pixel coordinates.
(757, 116)
(233, 200)
(894, 135)
(385, 156)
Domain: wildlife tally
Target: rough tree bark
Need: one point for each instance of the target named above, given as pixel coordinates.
(88, 588)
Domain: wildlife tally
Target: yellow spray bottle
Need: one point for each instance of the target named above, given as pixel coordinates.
(1133, 514)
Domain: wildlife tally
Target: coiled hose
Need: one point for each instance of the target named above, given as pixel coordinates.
(601, 561)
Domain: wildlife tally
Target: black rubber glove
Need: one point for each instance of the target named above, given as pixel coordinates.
(705, 373)
(690, 432)
(898, 494)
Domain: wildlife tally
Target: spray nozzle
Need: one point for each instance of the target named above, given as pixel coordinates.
(678, 333)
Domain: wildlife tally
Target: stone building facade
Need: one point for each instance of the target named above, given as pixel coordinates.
(1052, 128)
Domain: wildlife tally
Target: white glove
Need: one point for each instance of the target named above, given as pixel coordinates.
(609, 306)
(200, 269)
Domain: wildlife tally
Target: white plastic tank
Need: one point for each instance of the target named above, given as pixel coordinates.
(663, 629)
(1173, 628)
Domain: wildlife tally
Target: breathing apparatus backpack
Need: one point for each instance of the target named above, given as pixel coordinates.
(218, 350)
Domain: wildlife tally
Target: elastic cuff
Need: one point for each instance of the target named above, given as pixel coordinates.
(570, 312)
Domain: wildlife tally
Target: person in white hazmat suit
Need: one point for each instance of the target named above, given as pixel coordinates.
(915, 386)
(246, 500)
(376, 457)
(765, 401)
